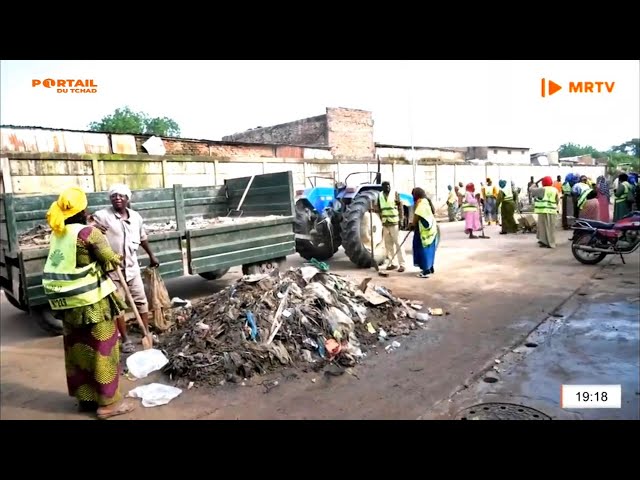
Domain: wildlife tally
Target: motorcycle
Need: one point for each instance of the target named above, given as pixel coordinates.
(593, 240)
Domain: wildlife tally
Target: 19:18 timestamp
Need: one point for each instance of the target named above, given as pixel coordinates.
(595, 396)
(591, 396)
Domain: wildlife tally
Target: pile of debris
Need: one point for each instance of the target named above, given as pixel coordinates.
(40, 235)
(265, 322)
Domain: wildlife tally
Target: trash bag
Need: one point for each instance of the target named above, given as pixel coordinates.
(158, 298)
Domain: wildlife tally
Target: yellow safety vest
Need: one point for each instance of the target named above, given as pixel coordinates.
(389, 209)
(548, 204)
(489, 191)
(625, 195)
(508, 194)
(452, 198)
(67, 286)
(423, 210)
(466, 206)
(583, 197)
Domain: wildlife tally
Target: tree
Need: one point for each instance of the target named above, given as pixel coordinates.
(574, 150)
(632, 147)
(124, 120)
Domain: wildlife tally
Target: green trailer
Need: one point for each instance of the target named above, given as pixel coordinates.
(198, 234)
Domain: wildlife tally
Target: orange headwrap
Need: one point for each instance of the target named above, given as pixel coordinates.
(547, 182)
(70, 202)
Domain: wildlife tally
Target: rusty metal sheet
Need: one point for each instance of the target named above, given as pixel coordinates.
(18, 140)
(96, 143)
(50, 141)
(74, 142)
(124, 144)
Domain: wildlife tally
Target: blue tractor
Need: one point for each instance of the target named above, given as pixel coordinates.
(330, 216)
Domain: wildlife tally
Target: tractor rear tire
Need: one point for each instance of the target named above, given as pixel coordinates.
(307, 248)
(214, 275)
(356, 250)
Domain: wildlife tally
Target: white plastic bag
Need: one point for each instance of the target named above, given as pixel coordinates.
(142, 363)
(154, 394)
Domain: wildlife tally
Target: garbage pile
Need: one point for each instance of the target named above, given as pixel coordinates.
(265, 322)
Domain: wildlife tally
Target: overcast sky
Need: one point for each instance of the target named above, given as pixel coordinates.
(424, 103)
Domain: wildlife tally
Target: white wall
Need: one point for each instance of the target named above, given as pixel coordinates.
(520, 157)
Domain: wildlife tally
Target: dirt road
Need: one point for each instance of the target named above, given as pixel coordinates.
(495, 291)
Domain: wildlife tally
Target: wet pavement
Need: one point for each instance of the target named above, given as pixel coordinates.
(592, 339)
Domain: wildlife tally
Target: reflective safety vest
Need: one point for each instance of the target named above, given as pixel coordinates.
(508, 194)
(423, 210)
(626, 195)
(583, 197)
(452, 198)
(468, 207)
(67, 286)
(389, 209)
(548, 204)
(489, 191)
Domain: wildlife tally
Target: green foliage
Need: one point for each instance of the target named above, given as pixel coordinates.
(624, 156)
(124, 120)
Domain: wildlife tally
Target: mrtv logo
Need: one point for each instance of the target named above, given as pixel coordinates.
(67, 85)
(549, 87)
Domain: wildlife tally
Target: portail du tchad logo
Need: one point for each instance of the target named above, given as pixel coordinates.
(67, 85)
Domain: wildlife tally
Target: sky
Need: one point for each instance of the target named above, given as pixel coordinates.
(421, 103)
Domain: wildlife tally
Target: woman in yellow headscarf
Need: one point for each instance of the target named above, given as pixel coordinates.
(85, 299)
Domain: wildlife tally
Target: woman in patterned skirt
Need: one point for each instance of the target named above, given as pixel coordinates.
(90, 334)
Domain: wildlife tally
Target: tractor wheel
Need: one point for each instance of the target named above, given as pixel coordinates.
(356, 231)
(320, 244)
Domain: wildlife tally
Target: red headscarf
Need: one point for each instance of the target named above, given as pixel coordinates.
(547, 182)
(470, 187)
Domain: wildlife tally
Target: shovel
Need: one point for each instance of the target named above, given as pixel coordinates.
(237, 212)
(147, 339)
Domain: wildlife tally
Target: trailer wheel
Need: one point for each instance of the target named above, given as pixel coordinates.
(49, 323)
(215, 274)
(263, 267)
(356, 231)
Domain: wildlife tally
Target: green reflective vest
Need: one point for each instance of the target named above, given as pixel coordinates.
(67, 286)
(626, 195)
(389, 209)
(583, 197)
(548, 204)
(566, 188)
(508, 194)
(423, 210)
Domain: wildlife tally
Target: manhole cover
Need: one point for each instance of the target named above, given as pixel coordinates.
(501, 411)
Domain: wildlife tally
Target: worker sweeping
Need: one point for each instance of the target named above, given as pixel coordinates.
(391, 213)
(425, 233)
(471, 212)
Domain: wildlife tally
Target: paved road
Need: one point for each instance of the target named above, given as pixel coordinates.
(496, 291)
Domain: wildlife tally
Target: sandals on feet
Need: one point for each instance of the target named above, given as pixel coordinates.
(128, 347)
(124, 407)
(423, 275)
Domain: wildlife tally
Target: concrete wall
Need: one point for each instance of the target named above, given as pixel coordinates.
(518, 156)
(49, 173)
(307, 131)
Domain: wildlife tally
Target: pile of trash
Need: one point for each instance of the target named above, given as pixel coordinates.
(268, 321)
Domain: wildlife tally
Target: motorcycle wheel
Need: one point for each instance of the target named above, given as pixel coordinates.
(586, 258)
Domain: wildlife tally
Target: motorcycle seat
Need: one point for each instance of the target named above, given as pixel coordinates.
(598, 224)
